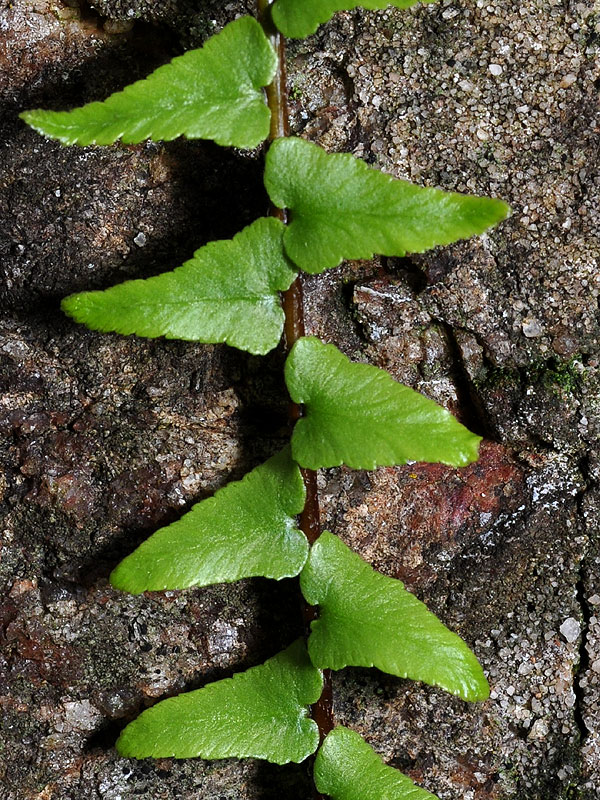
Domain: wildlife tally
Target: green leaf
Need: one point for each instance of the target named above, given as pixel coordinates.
(210, 93)
(358, 415)
(343, 209)
(347, 768)
(246, 529)
(299, 18)
(228, 292)
(369, 620)
(260, 713)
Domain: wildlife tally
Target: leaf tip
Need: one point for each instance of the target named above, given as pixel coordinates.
(44, 122)
(121, 580)
(133, 743)
(35, 118)
(70, 304)
(122, 747)
(78, 308)
(470, 682)
(500, 210)
(27, 116)
(471, 451)
(479, 690)
(126, 743)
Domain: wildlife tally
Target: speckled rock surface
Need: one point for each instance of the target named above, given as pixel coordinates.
(104, 438)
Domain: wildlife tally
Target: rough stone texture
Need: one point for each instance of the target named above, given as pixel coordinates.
(104, 438)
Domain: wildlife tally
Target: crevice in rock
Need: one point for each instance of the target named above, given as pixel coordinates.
(586, 612)
(584, 658)
(146, 35)
(387, 268)
(347, 290)
(472, 409)
(87, 12)
(411, 272)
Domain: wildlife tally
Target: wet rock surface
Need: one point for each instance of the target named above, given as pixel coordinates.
(105, 438)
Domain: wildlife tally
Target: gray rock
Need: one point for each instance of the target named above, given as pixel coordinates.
(107, 437)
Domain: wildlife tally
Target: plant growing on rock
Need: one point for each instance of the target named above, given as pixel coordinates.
(325, 208)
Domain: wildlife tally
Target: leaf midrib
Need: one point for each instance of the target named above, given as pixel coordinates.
(326, 214)
(186, 303)
(222, 103)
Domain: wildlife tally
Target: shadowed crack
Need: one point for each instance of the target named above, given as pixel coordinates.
(586, 612)
(584, 658)
(472, 409)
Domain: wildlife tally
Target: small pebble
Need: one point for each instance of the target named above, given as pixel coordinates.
(568, 80)
(539, 730)
(140, 239)
(594, 600)
(532, 327)
(570, 629)
(495, 69)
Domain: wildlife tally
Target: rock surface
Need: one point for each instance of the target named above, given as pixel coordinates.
(106, 438)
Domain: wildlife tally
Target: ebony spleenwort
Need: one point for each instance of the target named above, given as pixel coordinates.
(294, 330)
(325, 208)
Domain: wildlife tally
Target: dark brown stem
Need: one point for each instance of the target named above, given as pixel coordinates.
(322, 710)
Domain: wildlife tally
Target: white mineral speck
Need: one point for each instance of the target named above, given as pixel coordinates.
(495, 69)
(80, 715)
(531, 327)
(539, 729)
(140, 239)
(222, 640)
(570, 629)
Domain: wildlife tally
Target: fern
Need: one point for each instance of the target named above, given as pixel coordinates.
(228, 292)
(300, 18)
(342, 209)
(210, 93)
(346, 413)
(347, 769)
